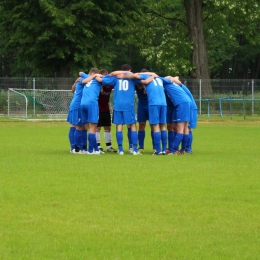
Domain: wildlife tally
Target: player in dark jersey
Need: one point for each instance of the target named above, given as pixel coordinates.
(104, 116)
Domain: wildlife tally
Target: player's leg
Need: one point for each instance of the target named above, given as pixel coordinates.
(154, 122)
(98, 137)
(84, 137)
(108, 139)
(162, 125)
(119, 138)
(183, 116)
(129, 134)
(71, 137)
(185, 138)
(118, 120)
(107, 131)
(92, 138)
(141, 135)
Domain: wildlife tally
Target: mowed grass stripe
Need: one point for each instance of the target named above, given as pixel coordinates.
(56, 205)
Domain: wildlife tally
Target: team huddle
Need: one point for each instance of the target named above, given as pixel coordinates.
(164, 102)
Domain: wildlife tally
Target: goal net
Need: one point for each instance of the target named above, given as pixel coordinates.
(38, 104)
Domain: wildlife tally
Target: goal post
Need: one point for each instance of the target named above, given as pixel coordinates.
(17, 104)
(40, 104)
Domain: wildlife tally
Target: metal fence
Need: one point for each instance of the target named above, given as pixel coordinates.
(223, 97)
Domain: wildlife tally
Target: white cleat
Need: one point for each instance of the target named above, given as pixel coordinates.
(121, 153)
(131, 150)
(136, 153)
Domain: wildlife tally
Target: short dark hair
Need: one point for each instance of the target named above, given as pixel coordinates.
(144, 70)
(126, 67)
(93, 71)
(103, 72)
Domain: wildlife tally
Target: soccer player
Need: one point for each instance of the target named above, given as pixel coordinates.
(192, 122)
(124, 113)
(89, 106)
(157, 111)
(142, 114)
(77, 134)
(182, 104)
(170, 117)
(104, 116)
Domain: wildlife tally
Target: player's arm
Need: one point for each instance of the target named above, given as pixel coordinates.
(115, 73)
(148, 80)
(74, 84)
(129, 75)
(174, 79)
(86, 80)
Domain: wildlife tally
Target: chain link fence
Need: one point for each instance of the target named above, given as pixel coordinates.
(223, 97)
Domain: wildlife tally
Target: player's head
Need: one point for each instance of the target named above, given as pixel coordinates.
(140, 86)
(93, 71)
(103, 72)
(144, 70)
(126, 67)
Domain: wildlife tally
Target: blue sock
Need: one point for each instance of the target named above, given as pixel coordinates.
(164, 140)
(119, 139)
(71, 137)
(177, 141)
(170, 139)
(184, 142)
(78, 138)
(129, 137)
(190, 141)
(157, 141)
(91, 141)
(141, 136)
(152, 136)
(84, 139)
(134, 140)
(96, 145)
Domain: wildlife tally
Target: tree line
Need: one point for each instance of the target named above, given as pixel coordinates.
(198, 39)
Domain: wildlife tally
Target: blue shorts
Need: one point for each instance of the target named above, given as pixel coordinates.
(193, 118)
(142, 113)
(170, 115)
(157, 115)
(90, 113)
(124, 117)
(183, 112)
(74, 117)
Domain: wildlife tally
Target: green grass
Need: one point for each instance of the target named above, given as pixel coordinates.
(56, 205)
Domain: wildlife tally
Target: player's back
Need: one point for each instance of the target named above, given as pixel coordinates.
(76, 99)
(155, 91)
(90, 92)
(175, 92)
(124, 92)
(193, 103)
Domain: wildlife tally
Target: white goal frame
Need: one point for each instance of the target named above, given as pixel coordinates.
(38, 104)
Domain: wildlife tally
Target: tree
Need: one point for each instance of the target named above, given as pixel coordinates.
(48, 37)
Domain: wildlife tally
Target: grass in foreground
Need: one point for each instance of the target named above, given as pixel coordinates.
(56, 205)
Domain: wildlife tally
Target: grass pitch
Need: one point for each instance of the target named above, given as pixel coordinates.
(57, 205)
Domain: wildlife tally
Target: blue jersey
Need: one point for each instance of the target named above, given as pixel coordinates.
(142, 96)
(76, 99)
(193, 103)
(155, 91)
(124, 92)
(175, 92)
(168, 100)
(90, 92)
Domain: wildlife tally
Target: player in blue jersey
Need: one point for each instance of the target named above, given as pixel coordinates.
(182, 105)
(77, 133)
(124, 113)
(193, 120)
(142, 114)
(89, 106)
(170, 119)
(157, 111)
